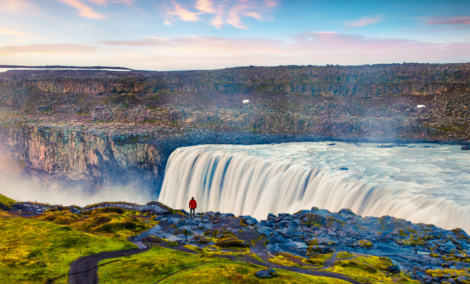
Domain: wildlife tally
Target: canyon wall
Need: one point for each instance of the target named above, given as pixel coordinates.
(96, 127)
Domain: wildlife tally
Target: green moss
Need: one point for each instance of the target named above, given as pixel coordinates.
(38, 250)
(108, 221)
(6, 200)
(344, 254)
(172, 244)
(170, 266)
(365, 268)
(453, 273)
(365, 243)
(313, 220)
(232, 243)
(254, 241)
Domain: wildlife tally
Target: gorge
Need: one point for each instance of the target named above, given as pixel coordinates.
(96, 130)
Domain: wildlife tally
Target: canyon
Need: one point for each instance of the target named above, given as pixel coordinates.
(93, 128)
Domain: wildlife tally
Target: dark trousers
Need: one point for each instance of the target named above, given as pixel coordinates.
(192, 212)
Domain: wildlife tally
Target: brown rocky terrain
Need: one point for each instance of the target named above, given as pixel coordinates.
(94, 126)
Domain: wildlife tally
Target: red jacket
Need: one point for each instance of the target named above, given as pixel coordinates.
(192, 204)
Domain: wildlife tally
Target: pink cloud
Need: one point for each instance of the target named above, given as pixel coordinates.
(270, 3)
(183, 14)
(234, 17)
(145, 42)
(83, 9)
(54, 49)
(14, 33)
(318, 48)
(218, 21)
(364, 21)
(206, 6)
(448, 21)
(104, 2)
(230, 12)
(18, 7)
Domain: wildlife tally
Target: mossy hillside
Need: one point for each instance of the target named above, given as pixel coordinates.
(6, 200)
(33, 251)
(105, 221)
(449, 273)
(173, 266)
(370, 269)
(238, 272)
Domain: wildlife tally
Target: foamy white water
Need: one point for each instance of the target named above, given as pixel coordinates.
(429, 185)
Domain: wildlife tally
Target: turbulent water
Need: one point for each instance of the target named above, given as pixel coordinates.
(429, 185)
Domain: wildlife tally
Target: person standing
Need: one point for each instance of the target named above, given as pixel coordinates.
(192, 207)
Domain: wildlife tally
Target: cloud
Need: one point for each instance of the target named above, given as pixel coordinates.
(18, 7)
(145, 42)
(206, 6)
(184, 14)
(218, 21)
(14, 33)
(364, 21)
(230, 12)
(317, 48)
(104, 2)
(270, 3)
(234, 18)
(448, 20)
(55, 49)
(83, 9)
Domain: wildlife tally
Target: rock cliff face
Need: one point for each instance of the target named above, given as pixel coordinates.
(79, 158)
(92, 127)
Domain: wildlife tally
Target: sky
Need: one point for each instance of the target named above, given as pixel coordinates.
(210, 34)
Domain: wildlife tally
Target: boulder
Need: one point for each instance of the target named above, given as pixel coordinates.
(251, 221)
(465, 147)
(346, 211)
(271, 216)
(266, 274)
(278, 239)
(266, 231)
(319, 249)
(393, 269)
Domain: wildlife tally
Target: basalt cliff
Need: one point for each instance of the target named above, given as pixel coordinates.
(92, 127)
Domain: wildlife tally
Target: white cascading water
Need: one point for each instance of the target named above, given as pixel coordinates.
(428, 185)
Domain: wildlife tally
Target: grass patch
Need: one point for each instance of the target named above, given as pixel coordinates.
(365, 268)
(344, 254)
(6, 200)
(237, 272)
(158, 263)
(106, 221)
(32, 251)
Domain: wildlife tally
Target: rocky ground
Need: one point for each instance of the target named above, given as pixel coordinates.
(308, 235)
(313, 240)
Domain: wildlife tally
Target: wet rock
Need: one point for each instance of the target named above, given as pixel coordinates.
(393, 269)
(465, 147)
(266, 274)
(319, 249)
(271, 216)
(266, 231)
(278, 239)
(462, 279)
(346, 211)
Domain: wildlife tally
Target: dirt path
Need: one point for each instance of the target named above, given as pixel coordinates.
(85, 269)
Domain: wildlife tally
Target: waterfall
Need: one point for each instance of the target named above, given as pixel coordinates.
(420, 184)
